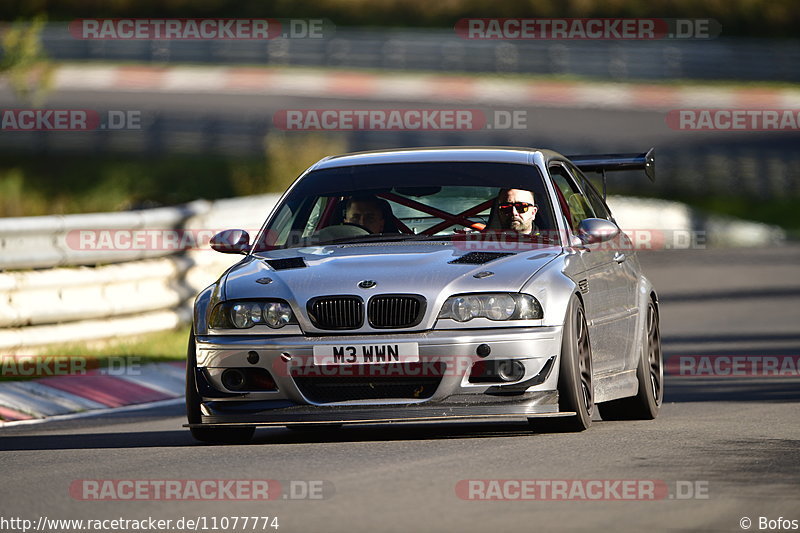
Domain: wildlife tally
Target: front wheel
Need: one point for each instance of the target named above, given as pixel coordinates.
(575, 391)
(650, 373)
(235, 435)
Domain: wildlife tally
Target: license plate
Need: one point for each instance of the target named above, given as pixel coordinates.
(366, 354)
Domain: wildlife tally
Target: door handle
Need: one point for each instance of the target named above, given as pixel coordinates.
(619, 257)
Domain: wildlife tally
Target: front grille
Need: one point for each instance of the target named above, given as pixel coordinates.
(336, 312)
(395, 311)
(411, 381)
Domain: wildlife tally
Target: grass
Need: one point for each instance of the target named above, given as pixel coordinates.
(779, 211)
(64, 184)
(162, 346)
(167, 345)
(76, 184)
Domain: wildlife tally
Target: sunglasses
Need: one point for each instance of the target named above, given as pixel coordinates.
(521, 207)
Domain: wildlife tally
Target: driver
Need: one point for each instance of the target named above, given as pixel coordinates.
(369, 212)
(517, 210)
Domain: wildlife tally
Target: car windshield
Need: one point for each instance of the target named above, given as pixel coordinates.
(405, 201)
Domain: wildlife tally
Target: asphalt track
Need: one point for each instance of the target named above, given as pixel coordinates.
(733, 441)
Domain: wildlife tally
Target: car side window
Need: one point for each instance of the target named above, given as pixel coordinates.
(599, 206)
(314, 216)
(600, 209)
(290, 220)
(577, 204)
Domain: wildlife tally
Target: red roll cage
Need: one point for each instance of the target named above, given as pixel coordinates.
(448, 219)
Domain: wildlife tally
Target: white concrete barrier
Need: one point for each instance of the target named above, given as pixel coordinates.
(91, 294)
(50, 241)
(642, 214)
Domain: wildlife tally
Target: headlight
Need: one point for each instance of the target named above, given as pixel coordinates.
(278, 314)
(494, 306)
(243, 315)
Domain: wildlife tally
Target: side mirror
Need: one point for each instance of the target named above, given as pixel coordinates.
(231, 241)
(595, 230)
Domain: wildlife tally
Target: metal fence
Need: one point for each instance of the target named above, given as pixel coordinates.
(763, 166)
(443, 50)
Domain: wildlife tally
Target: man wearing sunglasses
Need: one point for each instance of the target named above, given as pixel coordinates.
(516, 210)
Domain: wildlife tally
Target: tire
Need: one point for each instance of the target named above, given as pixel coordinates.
(650, 373)
(575, 391)
(235, 435)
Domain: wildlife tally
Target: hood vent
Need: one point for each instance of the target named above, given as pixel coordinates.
(478, 258)
(285, 264)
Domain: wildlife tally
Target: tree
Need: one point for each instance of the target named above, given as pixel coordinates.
(24, 62)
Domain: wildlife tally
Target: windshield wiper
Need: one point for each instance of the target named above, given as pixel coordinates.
(397, 237)
(401, 237)
(372, 237)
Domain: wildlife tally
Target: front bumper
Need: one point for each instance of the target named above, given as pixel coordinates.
(454, 397)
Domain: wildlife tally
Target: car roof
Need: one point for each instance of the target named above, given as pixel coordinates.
(493, 154)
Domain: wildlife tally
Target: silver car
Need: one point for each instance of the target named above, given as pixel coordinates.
(429, 284)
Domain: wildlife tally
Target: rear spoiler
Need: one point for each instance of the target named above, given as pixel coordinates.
(609, 162)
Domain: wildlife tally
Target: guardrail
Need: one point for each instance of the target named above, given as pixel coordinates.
(80, 293)
(34, 242)
(75, 295)
(51, 241)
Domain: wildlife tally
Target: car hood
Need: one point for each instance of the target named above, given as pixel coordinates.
(299, 274)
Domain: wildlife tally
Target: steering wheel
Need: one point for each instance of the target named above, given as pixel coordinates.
(359, 226)
(340, 231)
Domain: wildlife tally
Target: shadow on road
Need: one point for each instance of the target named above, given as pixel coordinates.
(700, 384)
(727, 389)
(90, 441)
(278, 435)
(738, 294)
(741, 462)
(729, 337)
